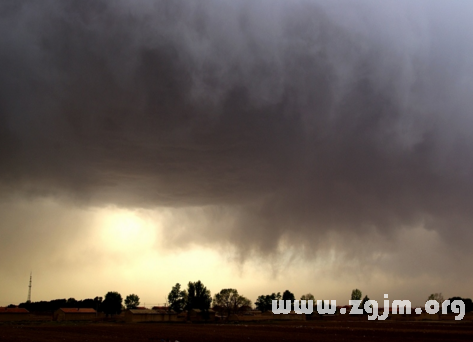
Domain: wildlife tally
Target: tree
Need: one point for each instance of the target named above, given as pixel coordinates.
(132, 301)
(230, 302)
(112, 303)
(71, 303)
(198, 297)
(308, 296)
(436, 296)
(97, 303)
(177, 299)
(288, 295)
(264, 302)
(356, 294)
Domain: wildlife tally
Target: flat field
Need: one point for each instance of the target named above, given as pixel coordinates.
(268, 331)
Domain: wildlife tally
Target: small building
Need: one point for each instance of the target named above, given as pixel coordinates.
(147, 315)
(197, 315)
(75, 314)
(14, 314)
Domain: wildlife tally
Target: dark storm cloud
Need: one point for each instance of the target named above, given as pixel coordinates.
(292, 118)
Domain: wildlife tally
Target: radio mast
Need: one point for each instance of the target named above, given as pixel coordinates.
(29, 288)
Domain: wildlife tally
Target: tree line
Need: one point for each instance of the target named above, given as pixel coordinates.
(197, 296)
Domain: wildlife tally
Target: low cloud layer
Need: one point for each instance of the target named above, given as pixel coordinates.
(270, 123)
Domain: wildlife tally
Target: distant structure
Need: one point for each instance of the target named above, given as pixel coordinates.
(29, 288)
(75, 314)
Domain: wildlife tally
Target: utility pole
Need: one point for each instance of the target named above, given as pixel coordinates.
(29, 288)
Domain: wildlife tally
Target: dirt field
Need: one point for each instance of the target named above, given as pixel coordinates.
(281, 331)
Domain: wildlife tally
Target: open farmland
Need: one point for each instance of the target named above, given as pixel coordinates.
(287, 331)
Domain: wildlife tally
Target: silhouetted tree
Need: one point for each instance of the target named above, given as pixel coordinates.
(436, 296)
(198, 297)
(132, 301)
(53, 305)
(71, 303)
(356, 294)
(177, 299)
(288, 295)
(230, 302)
(264, 302)
(308, 296)
(112, 304)
(97, 303)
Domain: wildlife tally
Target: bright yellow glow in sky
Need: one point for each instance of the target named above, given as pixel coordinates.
(87, 252)
(124, 230)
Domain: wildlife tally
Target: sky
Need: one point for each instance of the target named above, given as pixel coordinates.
(314, 146)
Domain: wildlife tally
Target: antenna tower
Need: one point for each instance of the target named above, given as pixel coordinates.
(29, 289)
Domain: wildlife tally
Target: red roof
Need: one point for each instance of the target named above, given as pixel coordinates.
(77, 310)
(13, 310)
